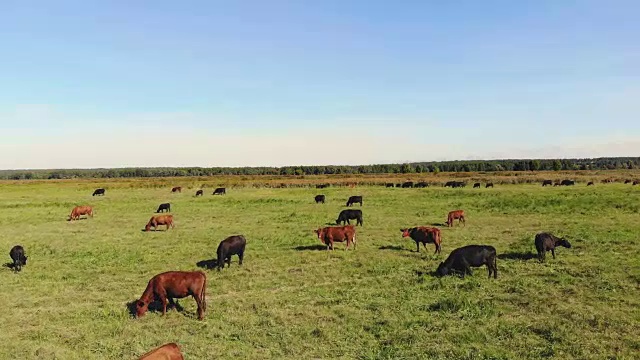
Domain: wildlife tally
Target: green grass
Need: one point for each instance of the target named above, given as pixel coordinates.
(291, 301)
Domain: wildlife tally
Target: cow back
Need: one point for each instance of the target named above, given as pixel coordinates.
(169, 351)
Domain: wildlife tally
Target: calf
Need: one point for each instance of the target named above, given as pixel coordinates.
(424, 235)
(354, 200)
(220, 191)
(546, 241)
(590, 183)
(456, 214)
(319, 199)
(79, 211)
(18, 257)
(98, 192)
(169, 351)
(158, 220)
(329, 235)
(176, 189)
(547, 182)
(233, 245)
(476, 185)
(174, 284)
(489, 185)
(199, 193)
(346, 215)
(164, 208)
(462, 259)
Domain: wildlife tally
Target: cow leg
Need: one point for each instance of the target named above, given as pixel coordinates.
(228, 260)
(553, 252)
(349, 223)
(437, 249)
(163, 300)
(172, 303)
(241, 256)
(417, 246)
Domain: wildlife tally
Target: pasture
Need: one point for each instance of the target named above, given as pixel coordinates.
(293, 300)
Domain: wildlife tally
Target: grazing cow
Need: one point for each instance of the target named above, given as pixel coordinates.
(220, 191)
(199, 193)
(319, 199)
(389, 185)
(489, 185)
(169, 351)
(456, 214)
(590, 183)
(627, 181)
(547, 182)
(176, 189)
(329, 235)
(636, 182)
(398, 185)
(476, 185)
(346, 215)
(166, 207)
(80, 210)
(407, 184)
(174, 284)
(462, 259)
(233, 245)
(567, 183)
(546, 241)
(424, 235)
(422, 184)
(449, 184)
(557, 183)
(158, 220)
(18, 257)
(457, 184)
(98, 192)
(354, 200)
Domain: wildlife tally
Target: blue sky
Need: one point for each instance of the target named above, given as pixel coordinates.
(220, 83)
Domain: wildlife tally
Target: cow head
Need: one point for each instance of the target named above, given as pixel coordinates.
(442, 270)
(24, 260)
(141, 308)
(564, 243)
(147, 227)
(405, 232)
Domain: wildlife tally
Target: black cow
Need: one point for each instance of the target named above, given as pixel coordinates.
(346, 215)
(636, 182)
(422, 184)
(449, 184)
(220, 191)
(457, 184)
(354, 200)
(567, 183)
(389, 185)
(319, 199)
(476, 185)
(546, 241)
(398, 185)
(489, 185)
(199, 193)
(18, 257)
(98, 192)
(321, 186)
(627, 181)
(462, 259)
(590, 183)
(407, 184)
(233, 245)
(166, 207)
(547, 182)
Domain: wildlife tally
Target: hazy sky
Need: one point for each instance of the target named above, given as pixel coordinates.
(233, 83)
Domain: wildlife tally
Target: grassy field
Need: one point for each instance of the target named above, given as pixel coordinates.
(293, 300)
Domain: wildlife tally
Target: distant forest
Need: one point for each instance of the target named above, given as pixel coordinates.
(407, 168)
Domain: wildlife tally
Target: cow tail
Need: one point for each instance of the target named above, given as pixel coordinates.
(203, 294)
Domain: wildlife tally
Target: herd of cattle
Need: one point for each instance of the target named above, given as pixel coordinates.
(167, 286)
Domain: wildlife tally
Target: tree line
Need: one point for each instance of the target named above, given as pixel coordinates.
(406, 168)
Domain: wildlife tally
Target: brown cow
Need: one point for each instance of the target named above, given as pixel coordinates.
(170, 351)
(424, 235)
(176, 189)
(174, 284)
(456, 214)
(329, 235)
(80, 210)
(157, 220)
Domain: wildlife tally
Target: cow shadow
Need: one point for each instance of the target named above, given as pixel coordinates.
(392, 247)
(315, 247)
(9, 265)
(517, 256)
(82, 218)
(207, 264)
(155, 307)
(439, 224)
(421, 273)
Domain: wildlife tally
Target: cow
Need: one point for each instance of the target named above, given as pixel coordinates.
(590, 183)
(354, 200)
(557, 183)
(489, 185)
(476, 185)
(174, 284)
(199, 193)
(422, 184)
(158, 220)
(398, 185)
(457, 184)
(220, 191)
(547, 182)
(166, 207)
(567, 183)
(449, 184)
(170, 351)
(346, 215)
(546, 241)
(79, 211)
(636, 182)
(329, 235)
(424, 235)
(98, 192)
(18, 257)
(176, 189)
(456, 214)
(321, 186)
(462, 259)
(319, 199)
(389, 185)
(627, 181)
(233, 245)
(407, 184)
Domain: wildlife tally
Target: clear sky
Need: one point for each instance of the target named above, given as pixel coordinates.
(249, 83)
